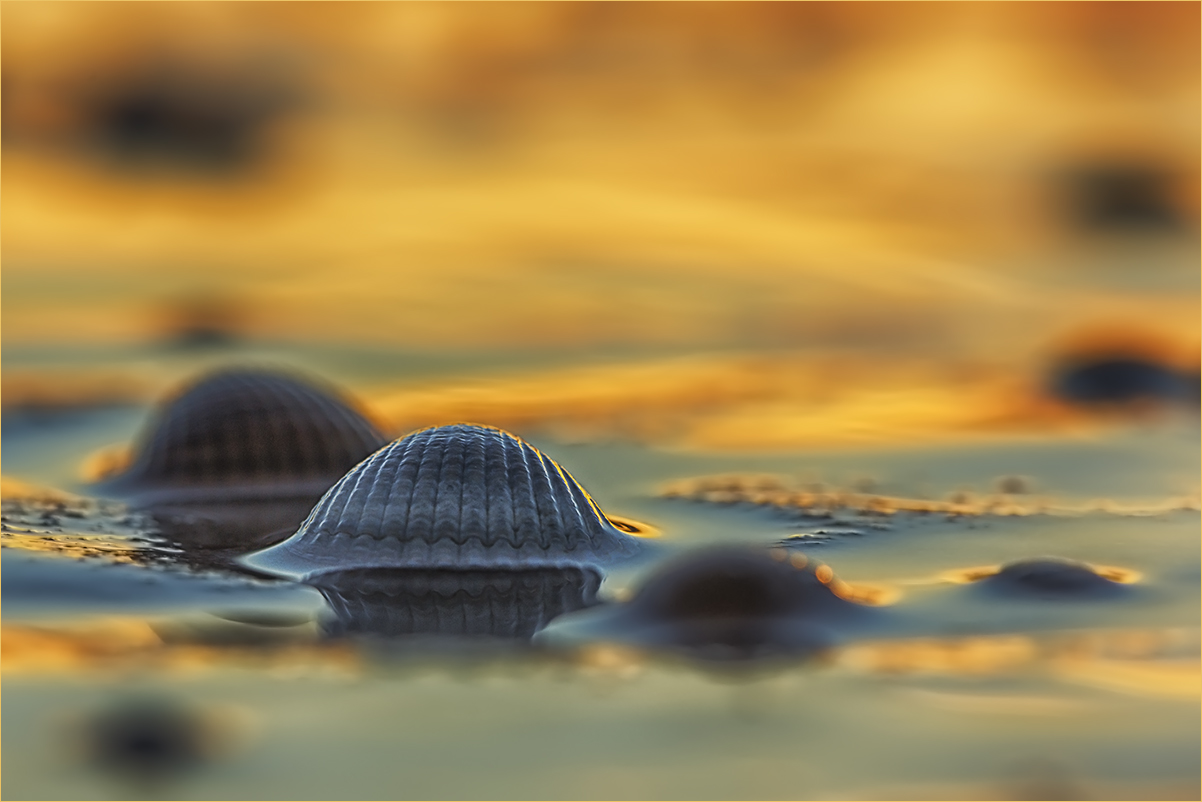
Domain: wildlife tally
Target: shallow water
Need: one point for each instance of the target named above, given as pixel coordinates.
(957, 697)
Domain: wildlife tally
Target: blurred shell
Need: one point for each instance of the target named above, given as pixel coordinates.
(451, 497)
(1050, 578)
(726, 603)
(499, 604)
(241, 433)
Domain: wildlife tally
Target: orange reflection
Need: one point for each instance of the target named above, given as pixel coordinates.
(871, 594)
(126, 644)
(106, 462)
(1145, 661)
(17, 490)
(780, 492)
(633, 527)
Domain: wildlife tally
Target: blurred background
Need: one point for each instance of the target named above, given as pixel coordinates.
(715, 226)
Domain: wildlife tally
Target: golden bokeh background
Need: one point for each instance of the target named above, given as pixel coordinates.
(734, 225)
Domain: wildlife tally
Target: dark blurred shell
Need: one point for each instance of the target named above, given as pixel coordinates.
(726, 603)
(500, 604)
(452, 497)
(245, 434)
(1050, 578)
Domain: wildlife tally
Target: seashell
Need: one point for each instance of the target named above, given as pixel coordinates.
(244, 434)
(1053, 578)
(726, 603)
(499, 604)
(459, 496)
(1119, 380)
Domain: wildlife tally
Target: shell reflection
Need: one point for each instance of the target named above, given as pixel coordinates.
(462, 496)
(499, 604)
(727, 603)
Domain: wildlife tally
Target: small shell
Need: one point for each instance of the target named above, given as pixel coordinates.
(451, 497)
(726, 603)
(239, 434)
(1049, 578)
(500, 604)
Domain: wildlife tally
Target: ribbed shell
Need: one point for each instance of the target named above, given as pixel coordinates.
(499, 604)
(451, 497)
(250, 433)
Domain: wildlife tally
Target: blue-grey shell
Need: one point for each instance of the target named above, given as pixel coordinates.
(242, 433)
(1049, 578)
(466, 497)
(457, 496)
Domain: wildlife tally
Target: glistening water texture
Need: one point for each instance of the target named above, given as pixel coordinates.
(135, 667)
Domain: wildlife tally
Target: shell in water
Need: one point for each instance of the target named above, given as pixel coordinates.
(451, 497)
(495, 604)
(239, 434)
(727, 603)
(1052, 578)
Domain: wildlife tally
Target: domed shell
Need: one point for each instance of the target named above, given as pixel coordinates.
(244, 433)
(1050, 578)
(459, 496)
(726, 603)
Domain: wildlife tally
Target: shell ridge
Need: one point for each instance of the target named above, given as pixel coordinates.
(527, 501)
(568, 488)
(323, 450)
(473, 489)
(309, 439)
(563, 477)
(408, 461)
(537, 494)
(357, 426)
(557, 527)
(424, 502)
(448, 506)
(279, 445)
(329, 436)
(186, 456)
(599, 530)
(432, 532)
(347, 493)
(238, 455)
(502, 525)
(380, 495)
(415, 521)
(462, 485)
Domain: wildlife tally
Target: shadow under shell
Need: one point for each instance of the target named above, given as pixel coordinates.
(725, 604)
(498, 604)
(461, 496)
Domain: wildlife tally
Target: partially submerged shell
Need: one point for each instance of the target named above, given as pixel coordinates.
(457, 496)
(725, 603)
(1050, 578)
(244, 434)
(496, 604)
